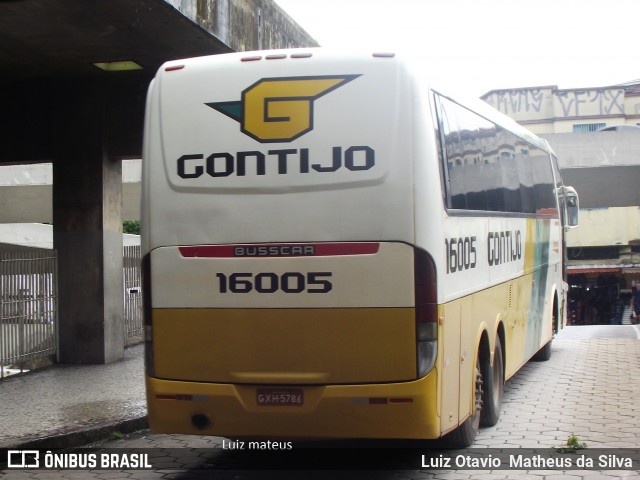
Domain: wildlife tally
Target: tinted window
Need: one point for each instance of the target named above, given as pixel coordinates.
(488, 168)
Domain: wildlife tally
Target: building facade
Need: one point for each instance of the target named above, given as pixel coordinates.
(545, 110)
(596, 135)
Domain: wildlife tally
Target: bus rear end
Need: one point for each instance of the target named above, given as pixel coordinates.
(284, 295)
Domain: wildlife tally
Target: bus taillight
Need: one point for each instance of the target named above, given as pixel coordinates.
(426, 311)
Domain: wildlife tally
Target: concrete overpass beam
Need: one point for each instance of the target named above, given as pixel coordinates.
(87, 219)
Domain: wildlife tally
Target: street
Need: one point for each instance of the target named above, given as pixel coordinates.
(589, 388)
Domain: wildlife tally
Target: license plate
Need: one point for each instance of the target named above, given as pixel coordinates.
(280, 397)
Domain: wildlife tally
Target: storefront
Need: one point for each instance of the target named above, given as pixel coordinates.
(599, 294)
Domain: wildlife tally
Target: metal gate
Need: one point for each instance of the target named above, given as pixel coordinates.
(29, 306)
(132, 294)
(28, 309)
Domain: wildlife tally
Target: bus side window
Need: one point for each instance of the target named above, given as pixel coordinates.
(490, 169)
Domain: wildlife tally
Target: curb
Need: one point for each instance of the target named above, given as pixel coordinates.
(83, 437)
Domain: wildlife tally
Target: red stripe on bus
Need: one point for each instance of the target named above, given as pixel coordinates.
(331, 249)
(280, 250)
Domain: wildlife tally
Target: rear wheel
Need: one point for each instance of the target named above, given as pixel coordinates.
(465, 434)
(544, 353)
(493, 376)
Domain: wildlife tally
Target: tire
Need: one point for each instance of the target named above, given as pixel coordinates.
(493, 376)
(465, 434)
(544, 353)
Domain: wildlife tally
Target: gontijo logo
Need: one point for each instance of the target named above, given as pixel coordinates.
(280, 109)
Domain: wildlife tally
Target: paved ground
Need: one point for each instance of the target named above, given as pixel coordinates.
(590, 388)
(71, 399)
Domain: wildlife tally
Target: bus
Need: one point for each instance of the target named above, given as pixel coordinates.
(333, 248)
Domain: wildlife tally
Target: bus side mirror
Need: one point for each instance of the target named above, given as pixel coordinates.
(573, 206)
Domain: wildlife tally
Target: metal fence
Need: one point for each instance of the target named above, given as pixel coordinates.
(28, 309)
(132, 294)
(29, 306)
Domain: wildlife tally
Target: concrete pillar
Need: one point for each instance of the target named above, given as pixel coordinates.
(87, 226)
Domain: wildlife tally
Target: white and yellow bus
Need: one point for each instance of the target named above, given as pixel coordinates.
(335, 249)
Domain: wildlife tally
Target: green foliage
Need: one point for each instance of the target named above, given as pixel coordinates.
(131, 226)
(573, 444)
(116, 435)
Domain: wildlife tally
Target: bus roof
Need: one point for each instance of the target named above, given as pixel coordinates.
(414, 67)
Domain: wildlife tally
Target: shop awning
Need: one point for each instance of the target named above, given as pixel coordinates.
(582, 271)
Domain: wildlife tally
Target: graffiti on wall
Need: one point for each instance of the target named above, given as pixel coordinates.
(518, 101)
(591, 102)
(568, 103)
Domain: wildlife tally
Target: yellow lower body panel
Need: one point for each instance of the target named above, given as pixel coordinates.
(400, 410)
(285, 345)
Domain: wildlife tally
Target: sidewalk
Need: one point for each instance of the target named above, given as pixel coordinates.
(70, 405)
